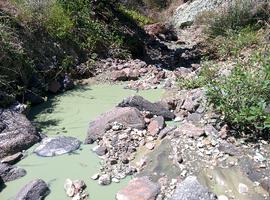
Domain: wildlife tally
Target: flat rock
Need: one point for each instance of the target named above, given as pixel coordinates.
(139, 189)
(165, 131)
(129, 117)
(144, 105)
(16, 133)
(191, 189)
(54, 146)
(229, 149)
(11, 173)
(191, 130)
(13, 159)
(35, 190)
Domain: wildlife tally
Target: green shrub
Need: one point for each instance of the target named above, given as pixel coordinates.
(235, 16)
(244, 95)
(207, 74)
(235, 41)
(136, 16)
(58, 22)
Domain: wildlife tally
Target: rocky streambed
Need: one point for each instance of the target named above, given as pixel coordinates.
(69, 115)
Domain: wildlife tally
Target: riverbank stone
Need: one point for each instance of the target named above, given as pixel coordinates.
(144, 105)
(55, 146)
(129, 117)
(191, 189)
(34, 190)
(16, 133)
(11, 173)
(139, 189)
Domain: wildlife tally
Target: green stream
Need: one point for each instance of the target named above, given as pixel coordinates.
(69, 114)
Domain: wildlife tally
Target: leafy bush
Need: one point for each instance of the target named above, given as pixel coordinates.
(244, 95)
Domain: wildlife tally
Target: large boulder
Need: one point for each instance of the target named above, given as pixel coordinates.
(35, 190)
(191, 189)
(16, 133)
(139, 189)
(130, 117)
(10, 173)
(144, 105)
(187, 12)
(54, 146)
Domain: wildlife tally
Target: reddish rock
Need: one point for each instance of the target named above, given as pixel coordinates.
(155, 29)
(156, 125)
(119, 76)
(191, 130)
(139, 189)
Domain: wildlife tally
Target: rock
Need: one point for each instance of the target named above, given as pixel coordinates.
(13, 159)
(144, 105)
(156, 125)
(165, 131)
(2, 184)
(242, 188)
(115, 180)
(35, 190)
(223, 197)
(150, 145)
(129, 117)
(55, 146)
(229, 149)
(191, 130)
(95, 176)
(186, 13)
(11, 173)
(104, 179)
(16, 133)
(190, 105)
(76, 189)
(54, 86)
(191, 189)
(139, 189)
(194, 117)
(67, 83)
(101, 150)
(265, 183)
(33, 98)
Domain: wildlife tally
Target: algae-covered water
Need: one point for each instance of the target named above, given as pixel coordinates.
(69, 114)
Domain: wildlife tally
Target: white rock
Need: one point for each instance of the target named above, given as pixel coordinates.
(69, 188)
(95, 176)
(150, 145)
(104, 179)
(242, 188)
(223, 197)
(115, 180)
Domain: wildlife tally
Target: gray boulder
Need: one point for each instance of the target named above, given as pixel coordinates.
(16, 133)
(187, 12)
(144, 105)
(10, 173)
(35, 190)
(129, 117)
(191, 189)
(55, 146)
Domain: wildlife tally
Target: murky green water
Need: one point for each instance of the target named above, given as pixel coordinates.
(69, 114)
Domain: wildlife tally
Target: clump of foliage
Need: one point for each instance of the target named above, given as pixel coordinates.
(235, 16)
(239, 32)
(207, 73)
(141, 19)
(15, 66)
(244, 96)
